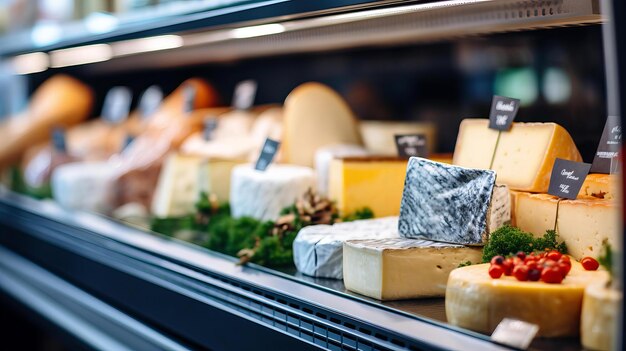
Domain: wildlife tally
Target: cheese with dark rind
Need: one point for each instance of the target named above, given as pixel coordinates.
(451, 204)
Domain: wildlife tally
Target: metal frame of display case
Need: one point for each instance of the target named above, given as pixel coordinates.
(149, 292)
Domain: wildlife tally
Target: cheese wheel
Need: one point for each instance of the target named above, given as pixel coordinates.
(60, 101)
(598, 324)
(476, 301)
(525, 154)
(378, 136)
(315, 116)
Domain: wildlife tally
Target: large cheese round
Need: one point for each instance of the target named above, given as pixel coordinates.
(379, 136)
(598, 324)
(263, 194)
(85, 186)
(476, 301)
(315, 116)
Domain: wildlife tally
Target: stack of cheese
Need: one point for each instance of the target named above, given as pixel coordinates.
(444, 208)
(523, 161)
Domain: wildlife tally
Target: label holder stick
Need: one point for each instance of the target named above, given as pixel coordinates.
(495, 149)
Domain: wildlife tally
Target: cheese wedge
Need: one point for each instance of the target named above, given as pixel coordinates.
(85, 186)
(600, 315)
(379, 136)
(525, 154)
(315, 116)
(367, 181)
(451, 204)
(582, 223)
(324, 157)
(477, 302)
(396, 269)
(60, 101)
(603, 186)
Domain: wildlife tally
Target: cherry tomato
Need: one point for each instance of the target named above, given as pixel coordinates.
(521, 273)
(521, 255)
(552, 275)
(554, 255)
(589, 263)
(508, 266)
(497, 260)
(531, 265)
(564, 268)
(534, 275)
(496, 271)
(564, 258)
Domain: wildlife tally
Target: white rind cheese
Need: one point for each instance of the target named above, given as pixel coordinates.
(451, 204)
(263, 194)
(318, 249)
(85, 186)
(394, 269)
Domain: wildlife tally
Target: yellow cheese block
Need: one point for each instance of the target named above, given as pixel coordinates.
(315, 116)
(378, 136)
(525, 154)
(583, 223)
(603, 186)
(366, 181)
(399, 268)
(598, 323)
(476, 301)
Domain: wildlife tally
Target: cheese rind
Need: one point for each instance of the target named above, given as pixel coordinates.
(598, 323)
(369, 181)
(451, 204)
(476, 301)
(583, 224)
(525, 154)
(263, 194)
(315, 116)
(318, 249)
(397, 268)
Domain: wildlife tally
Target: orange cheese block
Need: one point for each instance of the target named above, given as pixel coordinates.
(583, 223)
(524, 155)
(476, 301)
(603, 186)
(60, 101)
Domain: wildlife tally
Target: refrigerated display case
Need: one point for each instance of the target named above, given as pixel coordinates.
(105, 284)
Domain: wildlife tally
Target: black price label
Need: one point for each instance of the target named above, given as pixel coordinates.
(58, 139)
(189, 96)
(117, 105)
(567, 178)
(129, 140)
(270, 148)
(411, 145)
(150, 101)
(245, 92)
(606, 159)
(210, 124)
(503, 112)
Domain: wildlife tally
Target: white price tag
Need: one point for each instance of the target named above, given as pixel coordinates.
(117, 105)
(515, 333)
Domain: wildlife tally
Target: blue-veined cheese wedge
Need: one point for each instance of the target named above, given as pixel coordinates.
(452, 204)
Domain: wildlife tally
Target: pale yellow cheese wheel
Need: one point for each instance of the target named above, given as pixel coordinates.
(476, 301)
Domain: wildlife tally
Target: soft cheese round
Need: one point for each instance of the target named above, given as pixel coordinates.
(263, 194)
(476, 301)
(85, 186)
